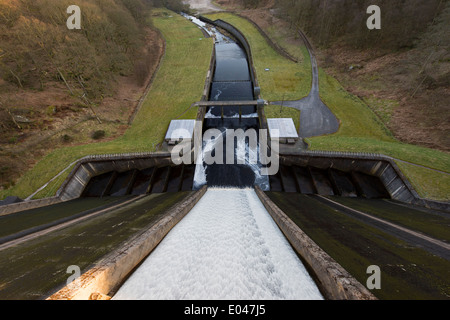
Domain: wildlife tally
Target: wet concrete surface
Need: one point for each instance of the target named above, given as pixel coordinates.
(410, 267)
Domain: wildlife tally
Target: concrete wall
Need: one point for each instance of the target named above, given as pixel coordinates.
(333, 280)
(89, 167)
(106, 277)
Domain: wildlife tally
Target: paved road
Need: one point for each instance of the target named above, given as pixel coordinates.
(316, 118)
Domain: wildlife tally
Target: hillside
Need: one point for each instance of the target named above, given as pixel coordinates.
(401, 71)
(169, 96)
(61, 87)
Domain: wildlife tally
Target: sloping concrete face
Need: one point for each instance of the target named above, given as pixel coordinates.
(109, 273)
(334, 281)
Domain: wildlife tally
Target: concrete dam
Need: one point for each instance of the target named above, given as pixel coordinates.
(138, 226)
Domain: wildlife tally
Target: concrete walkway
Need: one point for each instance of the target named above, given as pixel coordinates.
(316, 118)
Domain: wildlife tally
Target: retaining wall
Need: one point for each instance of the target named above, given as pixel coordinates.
(27, 205)
(106, 277)
(381, 166)
(92, 166)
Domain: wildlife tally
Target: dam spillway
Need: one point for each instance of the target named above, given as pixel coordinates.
(228, 247)
(234, 252)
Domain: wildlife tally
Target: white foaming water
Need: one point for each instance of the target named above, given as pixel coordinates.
(227, 248)
(249, 155)
(244, 154)
(210, 115)
(200, 178)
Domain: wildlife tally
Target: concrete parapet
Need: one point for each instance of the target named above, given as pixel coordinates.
(105, 278)
(333, 280)
(27, 205)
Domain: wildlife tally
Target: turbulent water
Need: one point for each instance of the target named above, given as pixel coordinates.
(227, 248)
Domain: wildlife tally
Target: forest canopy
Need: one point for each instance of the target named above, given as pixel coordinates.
(36, 47)
(328, 21)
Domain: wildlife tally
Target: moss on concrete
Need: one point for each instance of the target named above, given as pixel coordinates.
(407, 272)
(429, 222)
(24, 220)
(37, 268)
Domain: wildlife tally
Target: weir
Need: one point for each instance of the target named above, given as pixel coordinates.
(233, 252)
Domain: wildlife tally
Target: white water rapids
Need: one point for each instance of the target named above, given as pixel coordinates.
(227, 248)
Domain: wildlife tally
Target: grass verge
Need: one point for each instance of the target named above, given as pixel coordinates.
(179, 83)
(283, 112)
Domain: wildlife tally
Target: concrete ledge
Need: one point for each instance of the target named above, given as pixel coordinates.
(334, 281)
(105, 277)
(27, 205)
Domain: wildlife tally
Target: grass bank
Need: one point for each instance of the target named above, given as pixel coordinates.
(361, 130)
(178, 83)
